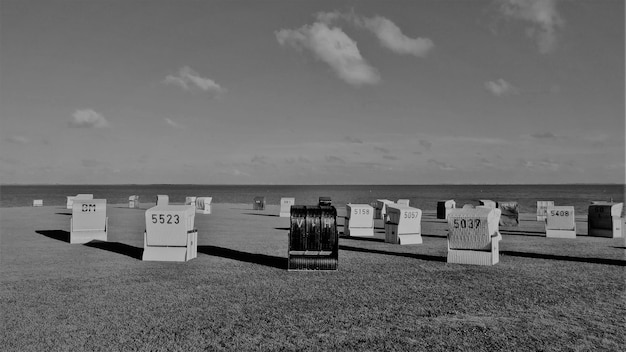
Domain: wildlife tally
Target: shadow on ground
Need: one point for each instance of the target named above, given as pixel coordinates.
(523, 233)
(70, 214)
(59, 235)
(258, 214)
(367, 239)
(565, 258)
(256, 258)
(407, 255)
(116, 247)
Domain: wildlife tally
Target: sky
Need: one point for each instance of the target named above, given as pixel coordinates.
(312, 92)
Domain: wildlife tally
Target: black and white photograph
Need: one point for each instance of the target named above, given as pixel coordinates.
(303, 175)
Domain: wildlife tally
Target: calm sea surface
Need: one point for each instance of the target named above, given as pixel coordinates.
(424, 197)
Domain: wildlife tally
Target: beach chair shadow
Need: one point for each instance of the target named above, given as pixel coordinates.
(366, 239)
(406, 255)
(282, 228)
(59, 235)
(255, 258)
(257, 214)
(117, 247)
(69, 214)
(605, 261)
(524, 233)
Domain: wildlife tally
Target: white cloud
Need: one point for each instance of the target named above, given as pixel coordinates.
(500, 87)
(334, 47)
(388, 33)
(88, 119)
(392, 38)
(189, 79)
(543, 16)
(18, 139)
(173, 123)
(441, 165)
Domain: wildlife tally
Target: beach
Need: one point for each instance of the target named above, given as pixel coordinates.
(545, 293)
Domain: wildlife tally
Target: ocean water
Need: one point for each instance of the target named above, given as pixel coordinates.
(424, 197)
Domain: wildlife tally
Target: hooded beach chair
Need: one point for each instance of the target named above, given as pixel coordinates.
(359, 220)
(203, 205)
(285, 206)
(89, 220)
(170, 234)
(605, 219)
(560, 222)
(403, 225)
(473, 236)
(313, 238)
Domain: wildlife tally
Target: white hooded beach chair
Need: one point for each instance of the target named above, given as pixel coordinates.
(403, 225)
(560, 222)
(473, 236)
(89, 221)
(170, 234)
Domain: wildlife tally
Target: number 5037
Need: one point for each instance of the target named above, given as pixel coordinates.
(466, 223)
(165, 219)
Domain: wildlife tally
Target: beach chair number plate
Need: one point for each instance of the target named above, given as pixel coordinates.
(413, 215)
(359, 211)
(559, 213)
(466, 223)
(165, 219)
(88, 208)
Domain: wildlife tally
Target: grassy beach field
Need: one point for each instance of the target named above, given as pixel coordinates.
(545, 294)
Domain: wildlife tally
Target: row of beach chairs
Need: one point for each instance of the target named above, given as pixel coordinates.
(473, 231)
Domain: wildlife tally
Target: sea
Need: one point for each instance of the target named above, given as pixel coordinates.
(424, 197)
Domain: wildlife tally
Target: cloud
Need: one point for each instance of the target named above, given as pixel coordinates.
(335, 48)
(500, 87)
(486, 162)
(335, 159)
(391, 37)
(390, 157)
(260, 159)
(18, 139)
(354, 140)
(90, 163)
(188, 80)
(543, 17)
(441, 165)
(382, 150)
(426, 144)
(88, 119)
(388, 33)
(544, 135)
(173, 123)
(300, 159)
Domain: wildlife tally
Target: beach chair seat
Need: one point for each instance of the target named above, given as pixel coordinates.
(170, 234)
(203, 205)
(89, 221)
(473, 236)
(133, 201)
(285, 206)
(443, 207)
(509, 213)
(359, 220)
(162, 199)
(324, 201)
(190, 201)
(313, 240)
(259, 203)
(560, 222)
(403, 225)
(542, 208)
(605, 219)
(404, 202)
(488, 203)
